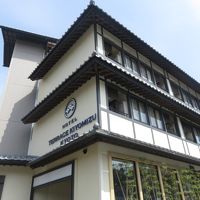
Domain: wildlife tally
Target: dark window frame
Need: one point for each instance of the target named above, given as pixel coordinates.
(2, 180)
(188, 125)
(162, 76)
(105, 40)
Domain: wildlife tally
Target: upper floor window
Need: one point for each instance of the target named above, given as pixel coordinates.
(189, 132)
(197, 133)
(176, 90)
(131, 64)
(170, 123)
(186, 97)
(160, 81)
(139, 111)
(155, 118)
(117, 101)
(112, 52)
(145, 72)
(195, 102)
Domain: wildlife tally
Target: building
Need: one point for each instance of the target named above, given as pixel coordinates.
(105, 116)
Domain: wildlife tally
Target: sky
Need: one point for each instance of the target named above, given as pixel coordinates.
(172, 27)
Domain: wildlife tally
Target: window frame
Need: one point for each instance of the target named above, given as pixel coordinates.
(105, 40)
(2, 181)
(155, 73)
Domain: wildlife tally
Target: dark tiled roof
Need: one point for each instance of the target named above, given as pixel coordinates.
(10, 35)
(102, 66)
(92, 15)
(16, 160)
(110, 138)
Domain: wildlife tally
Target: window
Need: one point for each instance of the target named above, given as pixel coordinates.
(150, 182)
(197, 133)
(171, 183)
(117, 101)
(160, 81)
(176, 90)
(190, 184)
(155, 118)
(131, 64)
(189, 132)
(2, 178)
(139, 111)
(146, 72)
(113, 52)
(170, 123)
(124, 178)
(195, 103)
(186, 97)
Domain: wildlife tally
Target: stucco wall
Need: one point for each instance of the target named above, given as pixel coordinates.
(74, 57)
(18, 99)
(17, 183)
(51, 124)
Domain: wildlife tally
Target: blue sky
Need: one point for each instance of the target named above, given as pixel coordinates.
(172, 27)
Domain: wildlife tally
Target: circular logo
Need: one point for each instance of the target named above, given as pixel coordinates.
(70, 108)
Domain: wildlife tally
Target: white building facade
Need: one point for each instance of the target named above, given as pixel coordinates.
(98, 114)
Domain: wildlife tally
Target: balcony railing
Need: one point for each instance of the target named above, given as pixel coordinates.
(127, 127)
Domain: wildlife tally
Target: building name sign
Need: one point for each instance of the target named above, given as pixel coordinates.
(71, 134)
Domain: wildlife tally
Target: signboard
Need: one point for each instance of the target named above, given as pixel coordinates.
(71, 133)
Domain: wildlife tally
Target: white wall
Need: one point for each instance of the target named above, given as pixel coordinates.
(17, 183)
(50, 125)
(19, 98)
(75, 56)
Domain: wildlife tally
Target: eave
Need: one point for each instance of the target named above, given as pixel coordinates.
(94, 15)
(114, 139)
(10, 35)
(15, 160)
(97, 65)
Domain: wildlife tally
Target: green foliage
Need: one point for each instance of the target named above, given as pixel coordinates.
(171, 183)
(190, 180)
(150, 181)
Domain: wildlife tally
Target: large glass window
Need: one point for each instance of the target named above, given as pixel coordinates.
(139, 111)
(155, 118)
(171, 183)
(189, 132)
(57, 190)
(160, 81)
(113, 52)
(190, 180)
(131, 64)
(117, 101)
(2, 178)
(150, 182)
(124, 178)
(145, 72)
(170, 123)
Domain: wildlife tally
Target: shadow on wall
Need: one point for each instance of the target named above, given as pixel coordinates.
(16, 135)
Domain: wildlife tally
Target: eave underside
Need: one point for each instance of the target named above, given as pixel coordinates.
(96, 66)
(95, 15)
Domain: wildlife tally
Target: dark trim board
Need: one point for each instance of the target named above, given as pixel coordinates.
(16, 160)
(114, 139)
